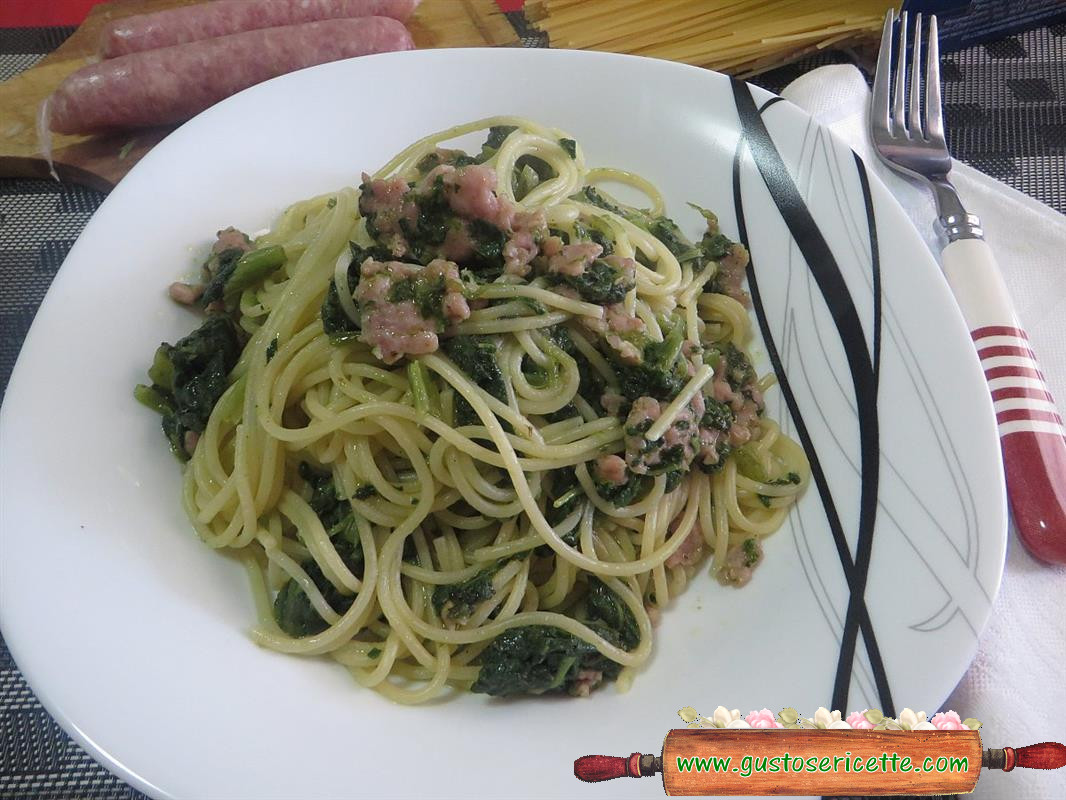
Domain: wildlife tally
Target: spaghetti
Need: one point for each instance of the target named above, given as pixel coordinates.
(741, 38)
(472, 424)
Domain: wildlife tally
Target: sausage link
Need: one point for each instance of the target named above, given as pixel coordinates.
(225, 17)
(171, 84)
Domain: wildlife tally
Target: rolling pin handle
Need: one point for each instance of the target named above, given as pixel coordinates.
(593, 769)
(1046, 755)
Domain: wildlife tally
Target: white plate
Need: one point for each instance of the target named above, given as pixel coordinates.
(133, 633)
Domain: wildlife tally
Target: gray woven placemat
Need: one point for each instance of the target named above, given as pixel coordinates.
(1006, 115)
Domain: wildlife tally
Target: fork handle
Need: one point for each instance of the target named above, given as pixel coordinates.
(1031, 432)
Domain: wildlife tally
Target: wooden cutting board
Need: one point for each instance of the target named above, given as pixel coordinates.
(100, 161)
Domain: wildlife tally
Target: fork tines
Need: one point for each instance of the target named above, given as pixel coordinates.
(898, 107)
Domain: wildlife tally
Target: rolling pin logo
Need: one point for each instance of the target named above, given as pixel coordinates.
(863, 754)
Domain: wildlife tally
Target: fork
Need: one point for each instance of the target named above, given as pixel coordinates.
(907, 128)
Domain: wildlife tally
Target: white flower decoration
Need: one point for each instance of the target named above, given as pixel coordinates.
(909, 721)
(823, 719)
(723, 716)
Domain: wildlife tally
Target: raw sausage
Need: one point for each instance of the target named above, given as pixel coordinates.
(225, 17)
(160, 87)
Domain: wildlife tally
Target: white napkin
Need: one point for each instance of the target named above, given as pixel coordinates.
(1016, 685)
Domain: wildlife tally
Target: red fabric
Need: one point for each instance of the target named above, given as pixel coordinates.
(43, 13)
(36, 13)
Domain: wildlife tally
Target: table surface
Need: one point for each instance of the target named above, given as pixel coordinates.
(1005, 105)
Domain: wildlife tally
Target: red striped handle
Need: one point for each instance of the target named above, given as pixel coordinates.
(1032, 437)
(1030, 426)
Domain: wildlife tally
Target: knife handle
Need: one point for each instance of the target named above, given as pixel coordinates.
(1031, 432)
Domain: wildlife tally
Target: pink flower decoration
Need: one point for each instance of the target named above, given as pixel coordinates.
(859, 722)
(948, 721)
(762, 719)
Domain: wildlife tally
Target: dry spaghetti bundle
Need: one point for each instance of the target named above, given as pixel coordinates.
(737, 36)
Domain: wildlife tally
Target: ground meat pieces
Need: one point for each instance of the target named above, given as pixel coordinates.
(397, 329)
(519, 251)
(471, 193)
(454, 212)
(231, 239)
(625, 266)
(642, 414)
(710, 445)
(731, 273)
(614, 326)
(389, 209)
(612, 402)
(677, 447)
(745, 402)
(551, 246)
(740, 563)
(690, 551)
(628, 353)
(458, 246)
(611, 469)
(185, 293)
(585, 682)
(572, 259)
(404, 306)
(621, 321)
(746, 425)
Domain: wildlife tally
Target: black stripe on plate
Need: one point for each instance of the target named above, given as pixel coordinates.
(830, 281)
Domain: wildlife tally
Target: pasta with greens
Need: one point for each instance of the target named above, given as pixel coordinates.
(472, 424)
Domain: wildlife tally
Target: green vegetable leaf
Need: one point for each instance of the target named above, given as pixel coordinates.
(293, 610)
(251, 269)
(523, 181)
(667, 231)
(604, 605)
(718, 416)
(497, 135)
(189, 377)
(220, 267)
(488, 242)
(535, 659)
(752, 554)
(716, 246)
(154, 397)
(364, 491)
(749, 464)
(476, 356)
(635, 487)
(426, 293)
(593, 196)
(598, 283)
(457, 601)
